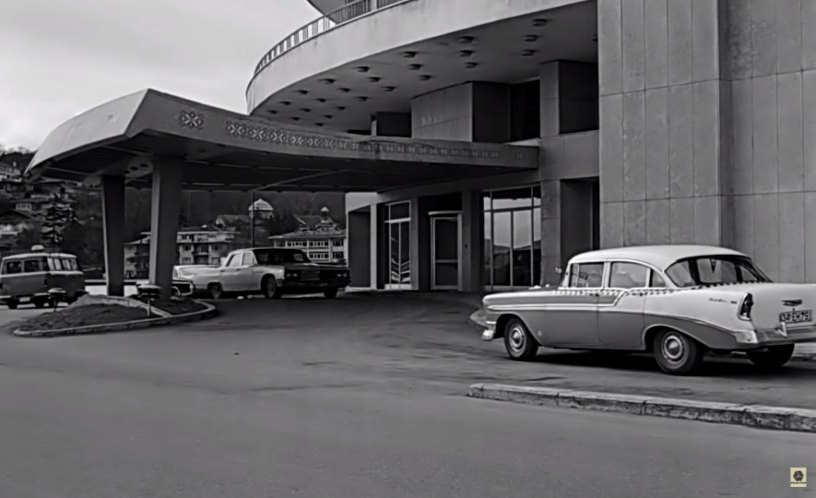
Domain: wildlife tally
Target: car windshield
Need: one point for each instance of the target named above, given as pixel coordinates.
(277, 257)
(713, 270)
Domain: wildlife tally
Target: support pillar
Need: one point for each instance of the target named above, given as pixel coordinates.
(113, 219)
(164, 217)
(472, 241)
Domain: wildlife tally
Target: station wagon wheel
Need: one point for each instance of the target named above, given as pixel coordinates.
(519, 343)
(676, 353)
(216, 291)
(773, 357)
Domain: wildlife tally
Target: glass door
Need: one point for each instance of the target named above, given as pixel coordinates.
(399, 255)
(446, 256)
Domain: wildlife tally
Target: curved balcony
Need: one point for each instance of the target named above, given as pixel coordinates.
(327, 22)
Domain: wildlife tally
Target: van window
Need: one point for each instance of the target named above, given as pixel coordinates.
(32, 266)
(55, 264)
(69, 264)
(13, 267)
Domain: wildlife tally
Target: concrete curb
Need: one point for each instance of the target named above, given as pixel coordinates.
(208, 312)
(764, 417)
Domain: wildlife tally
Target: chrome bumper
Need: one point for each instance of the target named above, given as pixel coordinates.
(488, 334)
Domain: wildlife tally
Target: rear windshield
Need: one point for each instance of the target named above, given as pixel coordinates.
(713, 270)
(277, 257)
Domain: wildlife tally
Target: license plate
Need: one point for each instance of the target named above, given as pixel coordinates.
(796, 316)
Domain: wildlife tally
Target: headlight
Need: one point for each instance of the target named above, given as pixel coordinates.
(291, 275)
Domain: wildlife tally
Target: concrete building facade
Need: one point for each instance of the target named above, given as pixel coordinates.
(482, 143)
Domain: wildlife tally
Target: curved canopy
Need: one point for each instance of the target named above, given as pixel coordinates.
(224, 150)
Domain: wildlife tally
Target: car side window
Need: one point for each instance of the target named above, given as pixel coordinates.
(235, 260)
(32, 266)
(656, 281)
(249, 259)
(586, 275)
(13, 267)
(624, 275)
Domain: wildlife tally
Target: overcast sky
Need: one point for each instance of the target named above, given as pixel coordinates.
(61, 57)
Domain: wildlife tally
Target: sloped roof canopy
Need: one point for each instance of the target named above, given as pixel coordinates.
(224, 150)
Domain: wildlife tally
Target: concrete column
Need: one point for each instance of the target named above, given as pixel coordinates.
(164, 217)
(113, 216)
(472, 241)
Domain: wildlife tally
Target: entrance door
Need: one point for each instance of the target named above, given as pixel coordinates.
(446, 254)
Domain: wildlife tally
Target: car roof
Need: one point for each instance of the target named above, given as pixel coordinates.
(38, 254)
(660, 256)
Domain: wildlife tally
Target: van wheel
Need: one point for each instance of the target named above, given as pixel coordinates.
(676, 353)
(773, 357)
(519, 343)
(12, 304)
(216, 291)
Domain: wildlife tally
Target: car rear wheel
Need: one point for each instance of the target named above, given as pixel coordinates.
(12, 304)
(330, 293)
(216, 291)
(270, 288)
(676, 353)
(519, 343)
(773, 357)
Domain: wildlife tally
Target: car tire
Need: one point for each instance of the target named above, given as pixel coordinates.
(676, 353)
(216, 291)
(330, 293)
(12, 304)
(269, 287)
(773, 357)
(519, 343)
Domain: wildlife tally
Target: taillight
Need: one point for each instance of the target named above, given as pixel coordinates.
(745, 308)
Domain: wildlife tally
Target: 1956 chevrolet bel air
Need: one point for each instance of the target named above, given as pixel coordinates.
(676, 301)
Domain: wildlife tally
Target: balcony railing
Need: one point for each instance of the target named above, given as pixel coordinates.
(333, 19)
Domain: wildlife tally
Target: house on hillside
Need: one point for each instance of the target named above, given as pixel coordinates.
(320, 237)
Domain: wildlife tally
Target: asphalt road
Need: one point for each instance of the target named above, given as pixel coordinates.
(351, 398)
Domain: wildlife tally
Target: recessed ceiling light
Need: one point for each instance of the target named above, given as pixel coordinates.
(539, 23)
(345, 90)
(362, 98)
(415, 67)
(528, 52)
(409, 55)
(319, 124)
(595, 38)
(341, 108)
(362, 69)
(471, 65)
(531, 38)
(374, 79)
(295, 118)
(328, 116)
(327, 81)
(466, 40)
(424, 77)
(389, 88)
(321, 100)
(305, 109)
(303, 92)
(465, 53)
(285, 102)
(272, 111)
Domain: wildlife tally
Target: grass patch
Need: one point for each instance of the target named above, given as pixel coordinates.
(176, 307)
(82, 316)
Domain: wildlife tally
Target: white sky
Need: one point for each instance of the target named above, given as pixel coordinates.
(61, 57)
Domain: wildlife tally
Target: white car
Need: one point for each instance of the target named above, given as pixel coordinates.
(201, 276)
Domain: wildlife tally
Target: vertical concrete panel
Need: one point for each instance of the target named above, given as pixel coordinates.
(549, 106)
(742, 136)
(766, 235)
(610, 147)
(657, 140)
(633, 46)
(741, 39)
(681, 172)
(810, 236)
(727, 220)
(681, 220)
(725, 146)
(611, 224)
(359, 247)
(164, 219)
(809, 128)
(680, 45)
(792, 237)
(789, 35)
(744, 223)
(765, 135)
(763, 14)
(657, 222)
(705, 98)
(610, 60)
(113, 220)
(634, 223)
(656, 34)
(704, 38)
(790, 121)
(634, 147)
(707, 220)
(809, 35)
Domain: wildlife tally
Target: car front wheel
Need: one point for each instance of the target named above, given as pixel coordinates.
(519, 343)
(330, 293)
(270, 288)
(676, 353)
(216, 291)
(773, 357)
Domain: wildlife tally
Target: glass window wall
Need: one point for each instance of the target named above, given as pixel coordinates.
(512, 237)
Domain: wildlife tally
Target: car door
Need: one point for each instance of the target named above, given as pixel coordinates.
(572, 321)
(248, 277)
(621, 304)
(230, 273)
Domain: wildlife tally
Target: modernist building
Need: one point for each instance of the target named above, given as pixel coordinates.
(483, 142)
(194, 246)
(320, 237)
